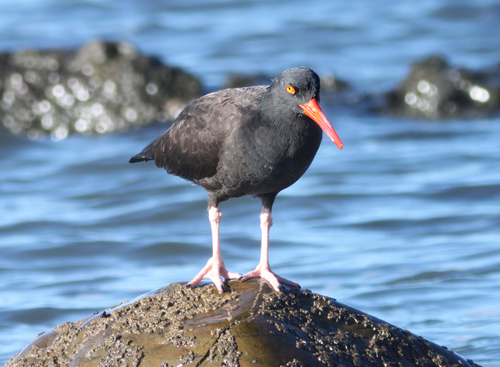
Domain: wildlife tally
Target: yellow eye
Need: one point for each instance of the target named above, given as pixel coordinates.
(290, 89)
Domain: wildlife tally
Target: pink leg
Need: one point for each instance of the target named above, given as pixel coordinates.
(215, 267)
(263, 270)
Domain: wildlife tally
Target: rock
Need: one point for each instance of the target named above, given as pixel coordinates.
(436, 91)
(102, 87)
(238, 80)
(329, 83)
(250, 325)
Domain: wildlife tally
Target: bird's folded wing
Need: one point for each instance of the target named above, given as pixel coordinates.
(192, 146)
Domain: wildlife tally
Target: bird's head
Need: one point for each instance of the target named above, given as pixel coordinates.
(299, 88)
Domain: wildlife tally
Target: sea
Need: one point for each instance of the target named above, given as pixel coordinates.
(403, 223)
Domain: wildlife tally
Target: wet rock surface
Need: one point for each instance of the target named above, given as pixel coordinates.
(434, 90)
(99, 88)
(249, 325)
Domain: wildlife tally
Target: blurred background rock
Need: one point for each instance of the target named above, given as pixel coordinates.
(99, 88)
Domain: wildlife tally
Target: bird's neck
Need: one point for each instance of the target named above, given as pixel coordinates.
(275, 112)
(292, 130)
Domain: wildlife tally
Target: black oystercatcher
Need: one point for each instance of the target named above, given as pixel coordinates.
(245, 141)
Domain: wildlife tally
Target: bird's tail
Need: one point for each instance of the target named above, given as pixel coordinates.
(140, 158)
(147, 154)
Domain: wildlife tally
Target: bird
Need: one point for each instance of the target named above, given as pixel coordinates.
(253, 141)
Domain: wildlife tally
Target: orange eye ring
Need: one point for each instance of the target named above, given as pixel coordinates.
(290, 89)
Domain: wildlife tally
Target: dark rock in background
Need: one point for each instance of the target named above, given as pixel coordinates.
(435, 91)
(246, 80)
(102, 87)
(108, 86)
(251, 325)
(329, 83)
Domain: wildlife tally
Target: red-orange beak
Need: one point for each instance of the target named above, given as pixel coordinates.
(313, 111)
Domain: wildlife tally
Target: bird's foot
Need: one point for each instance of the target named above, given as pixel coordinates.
(215, 269)
(273, 279)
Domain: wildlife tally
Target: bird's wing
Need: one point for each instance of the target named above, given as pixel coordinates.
(191, 147)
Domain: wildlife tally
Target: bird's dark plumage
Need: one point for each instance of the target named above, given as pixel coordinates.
(245, 141)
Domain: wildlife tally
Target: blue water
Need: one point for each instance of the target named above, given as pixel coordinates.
(402, 223)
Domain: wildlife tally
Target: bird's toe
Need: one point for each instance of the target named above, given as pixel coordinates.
(274, 280)
(215, 270)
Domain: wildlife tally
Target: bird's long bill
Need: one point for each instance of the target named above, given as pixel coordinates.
(313, 110)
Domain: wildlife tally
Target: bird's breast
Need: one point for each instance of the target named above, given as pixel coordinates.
(267, 158)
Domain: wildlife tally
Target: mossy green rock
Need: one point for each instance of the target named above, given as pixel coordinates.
(249, 325)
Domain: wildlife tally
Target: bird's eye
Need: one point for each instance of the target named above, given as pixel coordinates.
(290, 89)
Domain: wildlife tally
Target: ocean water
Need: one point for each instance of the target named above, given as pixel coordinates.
(403, 223)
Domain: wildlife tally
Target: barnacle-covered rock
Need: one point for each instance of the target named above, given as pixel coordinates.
(250, 325)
